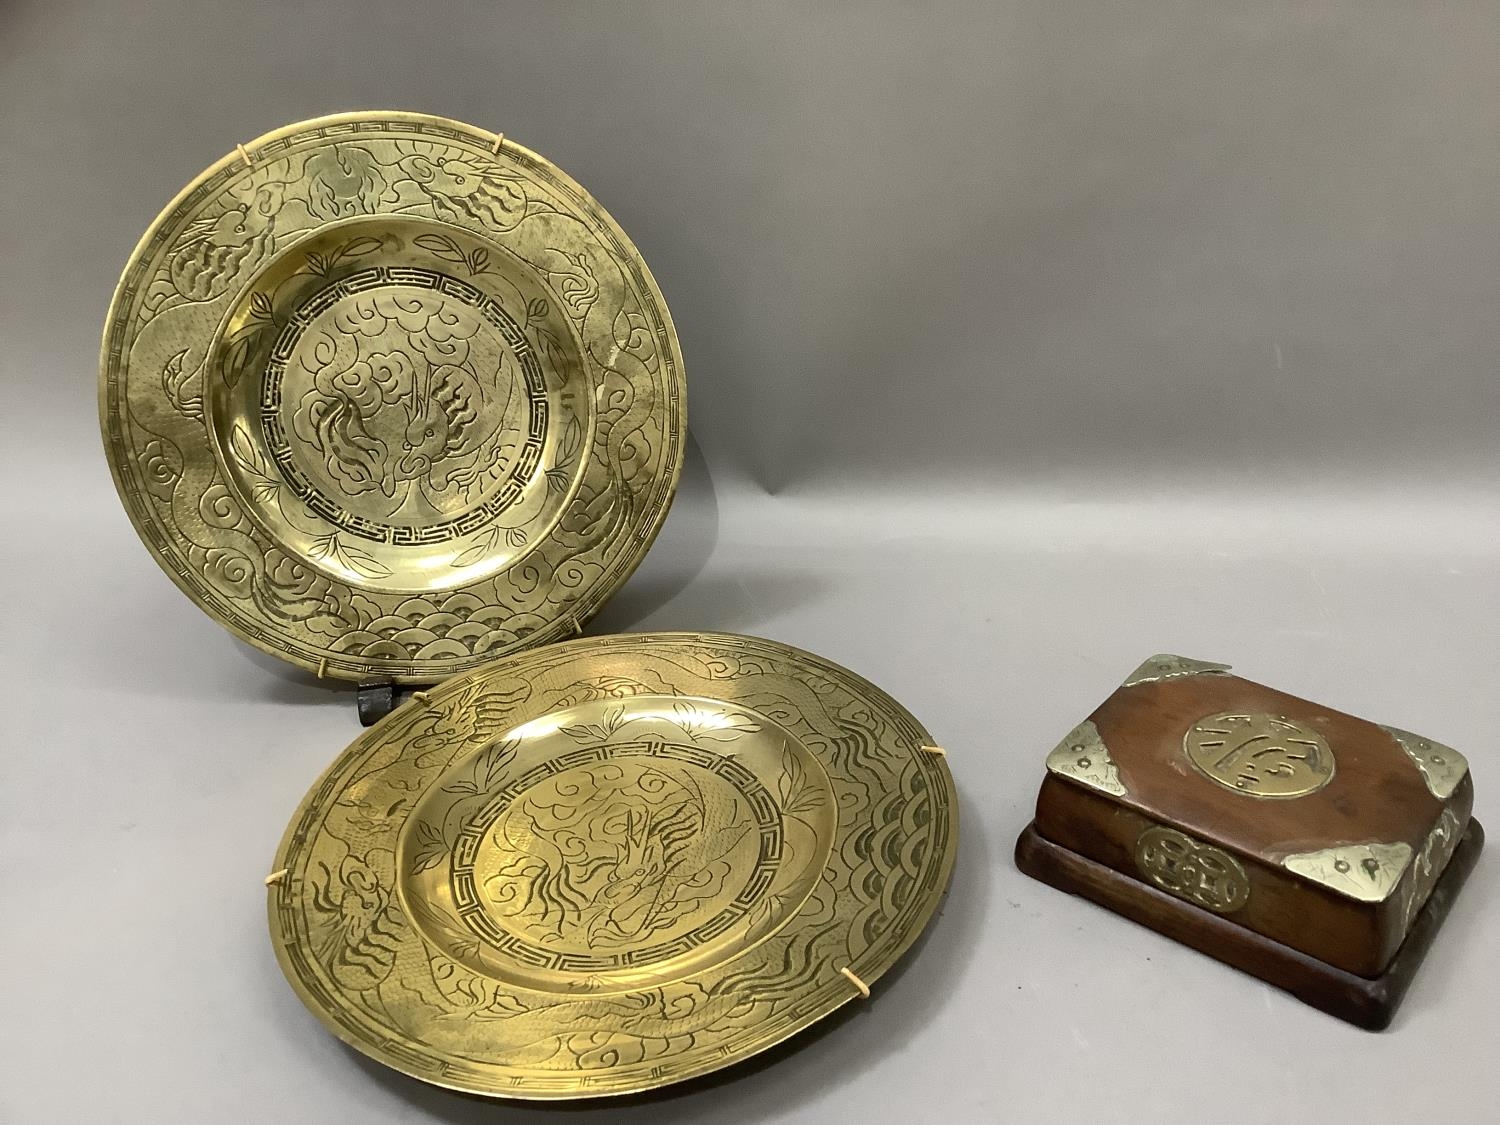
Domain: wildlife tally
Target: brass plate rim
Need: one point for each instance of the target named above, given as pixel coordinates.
(345, 666)
(913, 738)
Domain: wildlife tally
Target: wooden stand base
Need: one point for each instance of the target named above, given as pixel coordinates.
(1369, 1003)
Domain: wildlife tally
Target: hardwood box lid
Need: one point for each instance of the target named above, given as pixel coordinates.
(1322, 831)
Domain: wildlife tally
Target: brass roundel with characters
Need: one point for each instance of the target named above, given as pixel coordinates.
(613, 863)
(1260, 755)
(1192, 870)
(387, 395)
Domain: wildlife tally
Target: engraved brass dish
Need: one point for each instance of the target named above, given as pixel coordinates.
(388, 395)
(612, 864)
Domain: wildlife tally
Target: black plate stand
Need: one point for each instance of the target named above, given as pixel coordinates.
(378, 698)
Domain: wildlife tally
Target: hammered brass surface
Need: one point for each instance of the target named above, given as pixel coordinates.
(389, 397)
(612, 864)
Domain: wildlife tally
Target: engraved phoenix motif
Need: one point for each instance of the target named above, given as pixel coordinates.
(411, 351)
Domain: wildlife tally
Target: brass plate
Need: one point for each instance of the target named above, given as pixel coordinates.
(612, 864)
(390, 397)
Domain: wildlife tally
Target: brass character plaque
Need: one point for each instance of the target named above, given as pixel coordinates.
(1364, 872)
(1260, 755)
(1192, 870)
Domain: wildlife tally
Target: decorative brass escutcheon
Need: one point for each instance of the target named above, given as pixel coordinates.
(1260, 755)
(1192, 870)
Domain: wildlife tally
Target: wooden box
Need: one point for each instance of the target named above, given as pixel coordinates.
(1316, 850)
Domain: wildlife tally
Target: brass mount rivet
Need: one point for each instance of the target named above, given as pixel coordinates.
(322, 667)
(244, 155)
(276, 877)
(499, 140)
(419, 697)
(864, 989)
(933, 750)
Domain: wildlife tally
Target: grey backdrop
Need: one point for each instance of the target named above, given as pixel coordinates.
(1023, 340)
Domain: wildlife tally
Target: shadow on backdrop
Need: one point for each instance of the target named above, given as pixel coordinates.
(678, 556)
